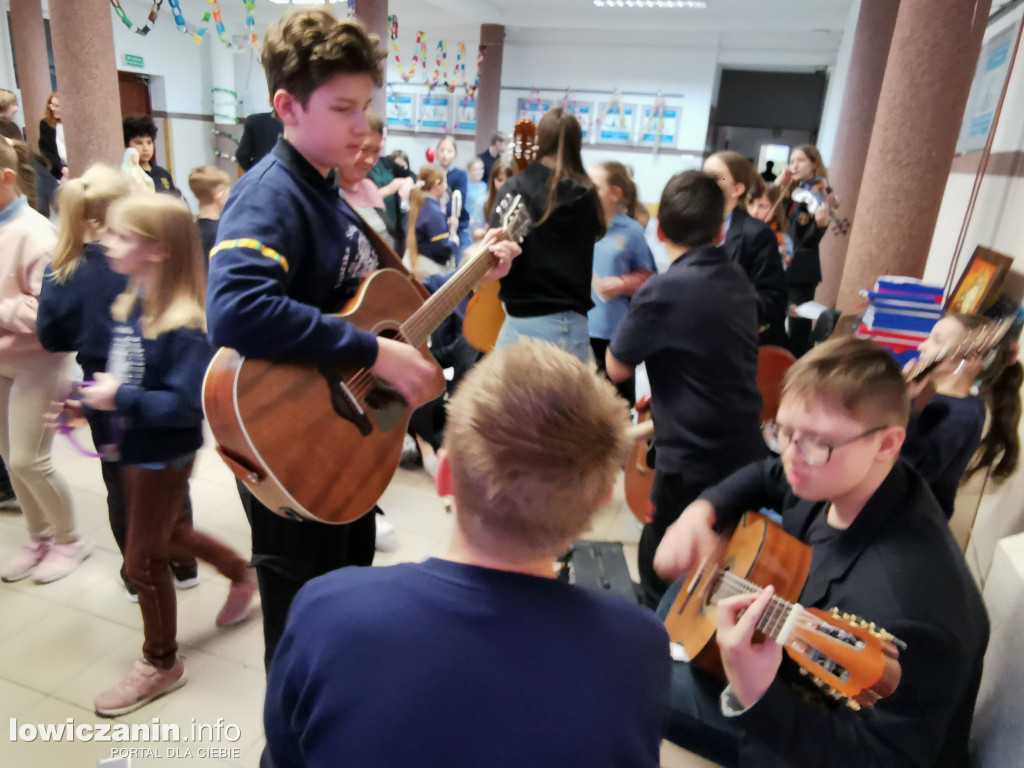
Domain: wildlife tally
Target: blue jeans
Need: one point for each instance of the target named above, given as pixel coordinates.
(567, 330)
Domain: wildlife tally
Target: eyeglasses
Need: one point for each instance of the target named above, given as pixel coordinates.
(814, 450)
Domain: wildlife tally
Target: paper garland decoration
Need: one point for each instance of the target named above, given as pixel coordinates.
(417, 58)
(154, 11)
(214, 13)
(235, 101)
(225, 134)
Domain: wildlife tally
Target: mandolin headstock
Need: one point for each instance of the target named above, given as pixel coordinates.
(849, 658)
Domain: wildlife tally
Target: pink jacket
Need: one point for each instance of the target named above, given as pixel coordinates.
(27, 241)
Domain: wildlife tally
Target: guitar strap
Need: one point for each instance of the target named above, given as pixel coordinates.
(388, 258)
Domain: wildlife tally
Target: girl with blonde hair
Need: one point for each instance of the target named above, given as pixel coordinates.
(153, 387)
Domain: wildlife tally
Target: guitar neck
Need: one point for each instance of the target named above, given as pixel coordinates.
(778, 618)
(417, 329)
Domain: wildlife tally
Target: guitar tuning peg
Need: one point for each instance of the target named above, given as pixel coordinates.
(863, 624)
(803, 671)
(871, 626)
(835, 612)
(853, 705)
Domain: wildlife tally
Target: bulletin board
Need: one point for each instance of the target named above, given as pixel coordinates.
(667, 124)
(401, 111)
(532, 109)
(465, 116)
(616, 125)
(435, 112)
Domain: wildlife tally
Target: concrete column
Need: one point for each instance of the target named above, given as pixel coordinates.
(932, 59)
(488, 95)
(32, 62)
(374, 14)
(90, 101)
(875, 25)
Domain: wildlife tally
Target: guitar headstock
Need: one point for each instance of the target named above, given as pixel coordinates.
(849, 658)
(515, 219)
(524, 143)
(983, 340)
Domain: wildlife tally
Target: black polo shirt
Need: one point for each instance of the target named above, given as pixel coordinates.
(695, 326)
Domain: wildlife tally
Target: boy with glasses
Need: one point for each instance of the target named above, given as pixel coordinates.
(881, 549)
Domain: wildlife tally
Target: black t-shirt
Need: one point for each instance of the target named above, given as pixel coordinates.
(208, 236)
(695, 326)
(556, 268)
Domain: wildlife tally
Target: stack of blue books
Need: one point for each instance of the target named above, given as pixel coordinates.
(901, 313)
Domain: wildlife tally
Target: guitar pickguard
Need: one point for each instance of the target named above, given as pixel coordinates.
(383, 401)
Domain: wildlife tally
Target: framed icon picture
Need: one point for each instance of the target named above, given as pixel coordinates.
(980, 282)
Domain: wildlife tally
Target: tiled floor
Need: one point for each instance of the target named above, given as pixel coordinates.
(63, 643)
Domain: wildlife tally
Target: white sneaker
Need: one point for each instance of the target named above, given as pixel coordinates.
(26, 561)
(61, 560)
(387, 539)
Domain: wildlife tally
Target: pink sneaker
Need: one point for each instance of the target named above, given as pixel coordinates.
(144, 684)
(25, 562)
(236, 607)
(61, 560)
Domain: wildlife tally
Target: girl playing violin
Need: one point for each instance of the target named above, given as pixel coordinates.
(807, 173)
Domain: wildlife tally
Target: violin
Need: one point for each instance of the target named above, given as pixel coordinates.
(817, 194)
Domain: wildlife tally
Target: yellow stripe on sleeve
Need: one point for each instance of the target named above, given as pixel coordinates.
(445, 236)
(251, 244)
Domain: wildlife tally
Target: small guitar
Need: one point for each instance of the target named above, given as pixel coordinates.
(322, 443)
(982, 340)
(484, 313)
(639, 476)
(849, 658)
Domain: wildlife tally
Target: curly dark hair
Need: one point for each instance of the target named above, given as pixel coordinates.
(305, 48)
(134, 127)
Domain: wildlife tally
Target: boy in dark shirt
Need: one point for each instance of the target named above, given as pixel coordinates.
(140, 133)
(880, 549)
(211, 186)
(695, 326)
(499, 664)
(289, 250)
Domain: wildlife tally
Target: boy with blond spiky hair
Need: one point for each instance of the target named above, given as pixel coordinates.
(483, 658)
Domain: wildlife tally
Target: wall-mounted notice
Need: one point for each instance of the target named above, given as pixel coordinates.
(401, 111)
(435, 112)
(992, 70)
(532, 109)
(616, 124)
(584, 111)
(465, 117)
(665, 124)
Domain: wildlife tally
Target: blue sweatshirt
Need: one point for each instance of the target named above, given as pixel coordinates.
(432, 236)
(289, 249)
(160, 399)
(75, 316)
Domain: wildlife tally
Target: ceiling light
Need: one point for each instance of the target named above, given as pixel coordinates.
(647, 3)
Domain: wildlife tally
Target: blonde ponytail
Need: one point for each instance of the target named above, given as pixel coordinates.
(83, 203)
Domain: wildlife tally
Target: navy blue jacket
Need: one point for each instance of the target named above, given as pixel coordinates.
(289, 249)
(75, 316)
(160, 398)
(432, 235)
(458, 180)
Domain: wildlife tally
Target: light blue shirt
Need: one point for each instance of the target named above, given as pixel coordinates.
(621, 251)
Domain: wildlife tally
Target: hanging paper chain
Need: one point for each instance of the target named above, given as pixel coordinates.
(442, 59)
(657, 118)
(471, 89)
(225, 134)
(214, 14)
(154, 11)
(417, 58)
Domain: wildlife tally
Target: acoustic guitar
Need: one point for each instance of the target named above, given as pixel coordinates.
(322, 443)
(850, 659)
(484, 313)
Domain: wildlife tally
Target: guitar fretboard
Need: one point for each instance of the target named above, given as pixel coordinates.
(725, 584)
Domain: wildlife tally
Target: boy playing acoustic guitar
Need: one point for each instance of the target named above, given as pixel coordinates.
(482, 657)
(290, 250)
(881, 549)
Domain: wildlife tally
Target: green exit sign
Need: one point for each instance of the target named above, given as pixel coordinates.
(133, 61)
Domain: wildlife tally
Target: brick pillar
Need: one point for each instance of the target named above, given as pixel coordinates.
(934, 52)
(374, 14)
(90, 100)
(33, 64)
(488, 95)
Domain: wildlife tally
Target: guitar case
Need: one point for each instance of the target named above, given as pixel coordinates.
(599, 566)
